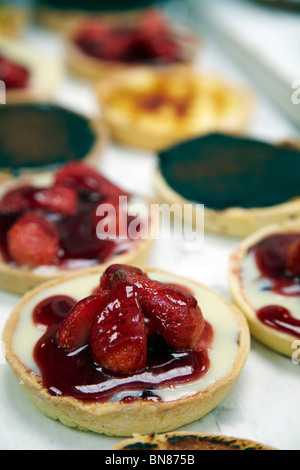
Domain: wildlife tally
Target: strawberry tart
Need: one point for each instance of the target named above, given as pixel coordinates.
(123, 350)
(98, 47)
(264, 282)
(54, 223)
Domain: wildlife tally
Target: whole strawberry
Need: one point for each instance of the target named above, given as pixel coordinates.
(118, 336)
(33, 240)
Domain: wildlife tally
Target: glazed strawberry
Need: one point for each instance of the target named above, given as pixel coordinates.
(121, 271)
(175, 312)
(56, 199)
(118, 336)
(13, 75)
(293, 258)
(33, 240)
(85, 178)
(74, 331)
(16, 200)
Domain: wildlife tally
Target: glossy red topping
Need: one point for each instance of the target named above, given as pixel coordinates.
(277, 258)
(13, 75)
(118, 356)
(118, 333)
(70, 206)
(148, 40)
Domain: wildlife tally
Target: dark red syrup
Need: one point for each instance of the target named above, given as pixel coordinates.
(78, 237)
(76, 375)
(279, 318)
(270, 255)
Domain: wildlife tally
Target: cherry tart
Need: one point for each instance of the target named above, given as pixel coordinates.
(72, 219)
(188, 441)
(125, 351)
(264, 282)
(27, 75)
(101, 47)
(155, 109)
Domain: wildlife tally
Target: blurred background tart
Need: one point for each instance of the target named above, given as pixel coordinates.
(154, 110)
(99, 47)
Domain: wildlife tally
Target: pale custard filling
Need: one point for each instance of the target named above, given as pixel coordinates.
(223, 352)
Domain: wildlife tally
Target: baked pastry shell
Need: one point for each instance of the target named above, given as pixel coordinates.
(115, 418)
(274, 339)
(234, 221)
(130, 132)
(188, 441)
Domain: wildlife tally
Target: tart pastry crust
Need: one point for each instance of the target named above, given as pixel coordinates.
(188, 441)
(276, 340)
(119, 418)
(45, 73)
(157, 109)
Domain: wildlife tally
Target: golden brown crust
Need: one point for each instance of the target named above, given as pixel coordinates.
(188, 441)
(274, 339)
(115, 418)
(192, 104)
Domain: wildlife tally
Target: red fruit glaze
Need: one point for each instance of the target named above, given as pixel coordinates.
(277, 259)
(13, 75)
(293, 258)
(118, 335)
(279, 318)
(74, 332)
(33, 240)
